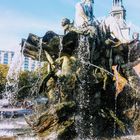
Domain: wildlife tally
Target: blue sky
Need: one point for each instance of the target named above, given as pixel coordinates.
(20, 17)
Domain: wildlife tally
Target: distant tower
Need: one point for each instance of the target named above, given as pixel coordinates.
(118, 10)
(119, 13)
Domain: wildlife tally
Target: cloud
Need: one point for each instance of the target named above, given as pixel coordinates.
(14, 26)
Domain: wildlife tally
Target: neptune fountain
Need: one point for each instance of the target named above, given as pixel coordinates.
(91, 86)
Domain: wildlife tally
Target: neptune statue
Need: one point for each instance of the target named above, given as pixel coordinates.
(84, 13)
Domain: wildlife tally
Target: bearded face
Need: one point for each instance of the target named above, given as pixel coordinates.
(92, 1)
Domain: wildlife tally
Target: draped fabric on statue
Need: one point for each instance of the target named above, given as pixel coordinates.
(115, 28)
(88, 11)
(83, 9)
(79, 21)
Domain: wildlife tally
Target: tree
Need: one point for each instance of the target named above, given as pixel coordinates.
(3, 74)
(30, 80)
(26, 82)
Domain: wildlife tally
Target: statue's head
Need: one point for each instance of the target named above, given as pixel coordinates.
(65, 21)
(92, 1)
(135, 36)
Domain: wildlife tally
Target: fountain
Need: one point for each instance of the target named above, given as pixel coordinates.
(91, 87)
(12, 122)
(7, 107)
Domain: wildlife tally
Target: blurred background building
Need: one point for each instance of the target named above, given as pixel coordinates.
(28, 63)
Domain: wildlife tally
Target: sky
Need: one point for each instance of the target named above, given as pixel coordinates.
(18, 18)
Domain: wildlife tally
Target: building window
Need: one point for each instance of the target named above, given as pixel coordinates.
(5, 58)
(26, 63)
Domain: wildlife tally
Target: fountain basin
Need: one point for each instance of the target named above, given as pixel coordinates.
(14, 112)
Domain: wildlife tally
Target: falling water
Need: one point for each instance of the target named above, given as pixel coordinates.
(8, 127)
(13, 76)
(59, 55)
(83, 91)
(115, 113)
(34, 89)
(59, 84)
(14, 128)
(60, 46)
(11, 128)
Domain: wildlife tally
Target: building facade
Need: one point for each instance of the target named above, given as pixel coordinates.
(28, 63)
(6, 57)
(118, 11)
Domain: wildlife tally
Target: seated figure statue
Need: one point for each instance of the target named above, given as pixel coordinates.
(84, 13)
(115, 26)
